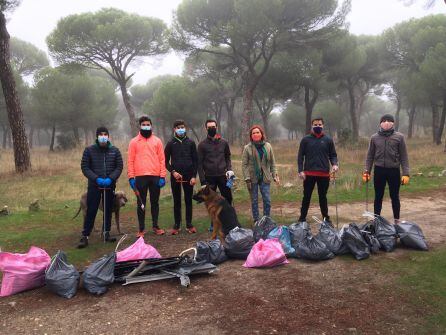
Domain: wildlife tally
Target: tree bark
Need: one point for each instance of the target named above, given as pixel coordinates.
(86, 136)
(53, 135)
(230, 126)
(31, 137)
(435, 122)
(309, 105)
(411, 113)
(126, 99)
(353, 116)
(397, 113)
(442, 120)
(247, 112)
(5, 136)
(15, 116)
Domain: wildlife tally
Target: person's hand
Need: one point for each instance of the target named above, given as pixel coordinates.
(161, 182)
(192, 181)
(405, 180)
(248, 184)
(230, 174)
(132, 183)
(335, 168)
(107, 182)
(177, 176)
(276, 179)
(302, 175)
(366, 177)
(100, 182)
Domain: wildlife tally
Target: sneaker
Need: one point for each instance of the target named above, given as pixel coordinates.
(174, 231)
(191, 230)
(83, 243)
(158, 231)
(107, 237)
(140, 234)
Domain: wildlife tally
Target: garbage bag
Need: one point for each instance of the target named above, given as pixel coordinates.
(372, 241)
(385, 232)
(332, 239)
(61, 277)
(283, 235)
(138, 250)
(99, 275)
(263, 227)
(239, 242)
(211, 251)
(298, 232)
(352, 237)
(23, 272)
(411, 235)
(312, 248)
(266, 254)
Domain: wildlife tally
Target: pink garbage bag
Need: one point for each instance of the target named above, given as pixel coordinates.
(138, 250)
(266, 254)
(23, 272)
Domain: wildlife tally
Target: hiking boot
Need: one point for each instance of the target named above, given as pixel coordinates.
(174, 231)
(158, 231)
(83, 243)
(107, 237)
(191, 230)
(140, 234)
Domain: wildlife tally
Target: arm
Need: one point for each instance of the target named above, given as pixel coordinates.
(167, 153)
(273, 164)
(194, 159)
(300, 156)
(200, 154)
(131, 154)
(370, 156)
(228, 157)
(85, 166)
(404, 157)
(245, 163)
(161, 158)
(333, 156)
(114, 175)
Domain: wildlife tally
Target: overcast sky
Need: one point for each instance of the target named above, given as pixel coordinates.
(35, 19)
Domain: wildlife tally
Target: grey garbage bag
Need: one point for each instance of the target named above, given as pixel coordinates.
(372, 241)
(332, 239)
(298, 232)
(411, 235)
(99, 275)
(211, 251)
(312, 248)
(263, 227)
(352, 237)
(239, 242)
(385, 232)
(61, 277)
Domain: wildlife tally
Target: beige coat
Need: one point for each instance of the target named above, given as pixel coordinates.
(268, 165)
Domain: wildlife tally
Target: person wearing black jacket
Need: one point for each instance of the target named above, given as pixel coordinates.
(102, 165)
(316, 153)
(214, 161)
(181, 162)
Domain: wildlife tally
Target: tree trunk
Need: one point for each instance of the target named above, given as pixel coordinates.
(195, 134)
(86, 137)
(76, 136)
(397, 113)
(442, 120)
(411, 113)
(230, 126)
(53, 135)
(435, 122)
(5, 136)
(355, 129)
(309, 105)
(15, 116)
(126, 99)
(39, 139)
(265, 120)
(247, 112)
(31, 137)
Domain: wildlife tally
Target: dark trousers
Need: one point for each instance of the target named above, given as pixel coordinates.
(392, 177)
(220, 182)
(94, 195)
(322, 188)
(176, 193)
(144, 183)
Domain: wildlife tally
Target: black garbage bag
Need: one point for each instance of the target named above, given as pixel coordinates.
(385, 232)
(332, 239)
(211, 252)
(99, 275)
(61, 277)
(298, 232)
(411, 235)
(239, 242)
(312, 248)
(352, 237)
(372, 241)
(263, 227)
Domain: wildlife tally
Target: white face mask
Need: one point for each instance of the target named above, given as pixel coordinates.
(146, 127)
(102, 138)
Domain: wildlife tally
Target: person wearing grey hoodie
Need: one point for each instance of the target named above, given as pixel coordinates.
(387, 152)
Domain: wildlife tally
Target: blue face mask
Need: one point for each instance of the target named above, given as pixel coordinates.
(317, 130)
(180, 132)
(146, 127)
(102, 139)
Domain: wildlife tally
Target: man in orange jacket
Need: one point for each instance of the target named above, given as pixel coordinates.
(147, 171)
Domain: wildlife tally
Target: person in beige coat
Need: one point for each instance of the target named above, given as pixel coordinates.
(259, 168)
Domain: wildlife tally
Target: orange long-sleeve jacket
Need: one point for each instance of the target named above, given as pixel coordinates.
(146, 157)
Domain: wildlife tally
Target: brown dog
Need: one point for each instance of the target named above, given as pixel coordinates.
(223, 215)
(119, 201)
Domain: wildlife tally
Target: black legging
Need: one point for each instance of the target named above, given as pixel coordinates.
(392, 177)
(176, 193)
(322, 188)
(144, 183)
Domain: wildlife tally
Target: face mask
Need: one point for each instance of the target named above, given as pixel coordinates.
(146, 127)
(145, 132)
(102, 139)
(212, 131)
(256, 137)
(180, 132)
(317, 130)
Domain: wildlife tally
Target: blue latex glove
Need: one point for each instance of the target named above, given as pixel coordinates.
(230, 182)
(132, 183)
(100, 182)
(107, 182)
(161, 182)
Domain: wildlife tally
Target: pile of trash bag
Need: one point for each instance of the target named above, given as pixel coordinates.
(239, 243)
(211, 251)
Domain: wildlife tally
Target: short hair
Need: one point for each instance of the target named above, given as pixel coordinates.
(210, 120)
(318, 119)
(179, 123)
(144, 118)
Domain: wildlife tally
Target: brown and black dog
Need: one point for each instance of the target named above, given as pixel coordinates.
(223, 215)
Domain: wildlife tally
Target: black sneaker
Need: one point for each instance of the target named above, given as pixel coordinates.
(107, 237)
(83, 243)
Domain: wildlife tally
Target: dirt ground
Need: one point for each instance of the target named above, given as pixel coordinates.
(340, 296)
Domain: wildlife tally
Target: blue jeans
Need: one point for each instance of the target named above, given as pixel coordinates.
(264, 189)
